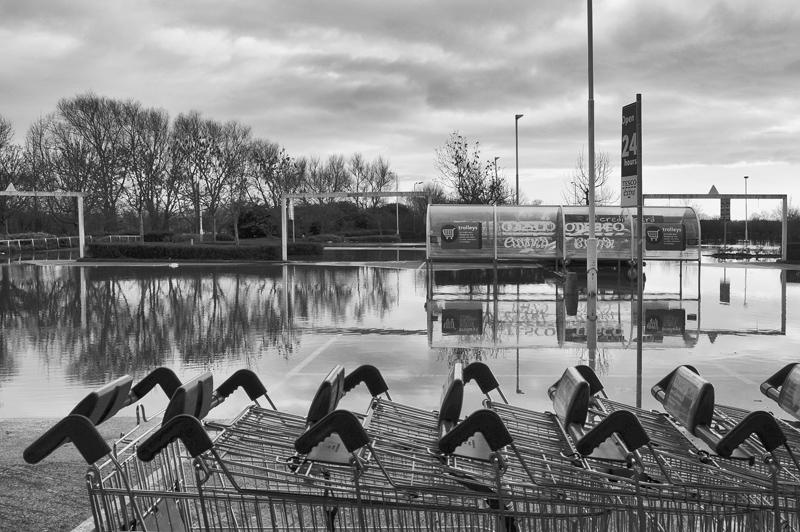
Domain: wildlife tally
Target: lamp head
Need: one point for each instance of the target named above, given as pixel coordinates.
(517, 117)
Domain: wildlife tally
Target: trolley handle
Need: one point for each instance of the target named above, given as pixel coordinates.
(482, 375)
(595, 386)
(369, 375)
(163, 377)
(106, 401)
(340, 422)
(770, 386)
(623, 423)
(761, 424)
(75, 428)
(184, 427)
(245, 379)
(485, 421)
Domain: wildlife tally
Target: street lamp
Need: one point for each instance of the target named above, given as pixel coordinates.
(495, 167)
(414, 212)
(746, 240)
(516, 150)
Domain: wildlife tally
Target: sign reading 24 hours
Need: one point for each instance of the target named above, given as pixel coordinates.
(630, 155)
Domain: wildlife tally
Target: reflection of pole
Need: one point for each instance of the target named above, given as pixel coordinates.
(745, 287)
(285, 297)
(591, 243)
(783, 301)
(83, 297)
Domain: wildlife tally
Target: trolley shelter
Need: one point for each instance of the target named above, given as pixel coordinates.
(552, 232)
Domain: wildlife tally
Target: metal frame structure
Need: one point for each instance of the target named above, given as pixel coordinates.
(318, 195)
(782, 197)
(57, 194)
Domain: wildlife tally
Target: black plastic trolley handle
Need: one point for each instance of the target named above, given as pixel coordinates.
(244, 379)
(595, 386)
(341, 422)
(369, 375)
(770, 386)
(76, 428)
(482, 375)
(163, 377)
(485, 421)
(623, 423)
(184, 427)
(760, 423)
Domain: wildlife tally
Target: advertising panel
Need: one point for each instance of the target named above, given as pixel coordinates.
(613, 233)
(527, 232)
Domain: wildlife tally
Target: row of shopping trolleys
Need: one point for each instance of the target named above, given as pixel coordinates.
(591, 463)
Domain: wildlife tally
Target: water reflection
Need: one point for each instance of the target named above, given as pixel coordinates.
(66, 328)
(509, 312)
(101, 321)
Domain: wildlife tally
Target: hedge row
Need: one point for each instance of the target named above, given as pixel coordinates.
(169, 236)
(204, 252)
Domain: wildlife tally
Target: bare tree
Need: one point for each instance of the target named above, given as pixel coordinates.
(380, 178)
(471, 179)
(191, 151)
(359, 172)
(147, 146)
(12, 170)
(576, 192)
(332, 176)
(233, 154)
(96, 124)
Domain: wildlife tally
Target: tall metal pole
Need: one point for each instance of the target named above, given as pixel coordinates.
(591, 244)
(516, 151)
(746, 239)
(640, 253)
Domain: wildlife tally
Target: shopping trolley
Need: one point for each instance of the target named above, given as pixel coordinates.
(537, 457)
(616, 439)
(783, 387)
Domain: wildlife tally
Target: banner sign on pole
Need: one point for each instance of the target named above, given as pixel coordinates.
(630, 160)
(725, 209)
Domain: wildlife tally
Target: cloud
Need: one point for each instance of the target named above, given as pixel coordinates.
(394, 78)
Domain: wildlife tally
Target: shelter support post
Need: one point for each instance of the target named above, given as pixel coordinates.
(784, 228)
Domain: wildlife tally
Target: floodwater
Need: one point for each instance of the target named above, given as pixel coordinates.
(67, 328)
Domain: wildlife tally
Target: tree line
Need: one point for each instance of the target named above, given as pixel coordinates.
(135, 165)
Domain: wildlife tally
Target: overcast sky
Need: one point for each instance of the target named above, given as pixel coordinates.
(719, 80)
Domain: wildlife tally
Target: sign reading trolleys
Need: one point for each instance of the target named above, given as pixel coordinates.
(630, 155)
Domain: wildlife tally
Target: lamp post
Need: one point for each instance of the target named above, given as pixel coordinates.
(516, 151)
(397, 205)
(414, 212)
(495, 167)
(746, 239)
